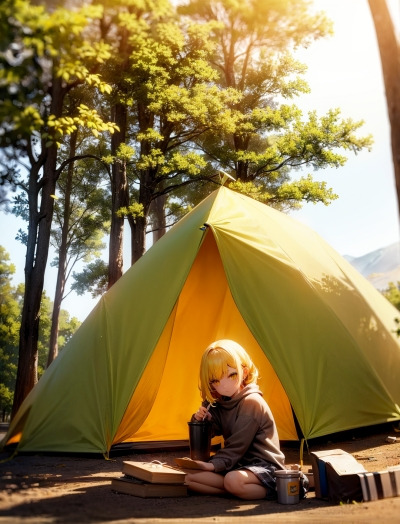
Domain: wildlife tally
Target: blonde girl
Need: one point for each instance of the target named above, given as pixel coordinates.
(245, 466)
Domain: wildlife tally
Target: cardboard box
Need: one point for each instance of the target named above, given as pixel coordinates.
(155, 472)
(336, 475)
(140, 488)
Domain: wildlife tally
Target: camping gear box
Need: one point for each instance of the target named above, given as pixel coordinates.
(336, 475)
(380, 484)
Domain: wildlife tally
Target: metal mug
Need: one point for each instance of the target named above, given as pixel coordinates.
(200, 440)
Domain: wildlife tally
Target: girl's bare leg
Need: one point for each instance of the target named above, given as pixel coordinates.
(244, 484)
(206, 482)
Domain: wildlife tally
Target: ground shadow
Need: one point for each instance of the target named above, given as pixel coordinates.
(100, 503)
(65, 489)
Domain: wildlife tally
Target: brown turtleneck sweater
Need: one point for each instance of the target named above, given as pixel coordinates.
(248, 427)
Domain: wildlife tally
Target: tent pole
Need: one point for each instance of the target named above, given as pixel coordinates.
(301, 452)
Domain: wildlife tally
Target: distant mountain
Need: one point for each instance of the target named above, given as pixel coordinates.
(380, 267)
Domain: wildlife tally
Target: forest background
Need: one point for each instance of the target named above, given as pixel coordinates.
(151, 110)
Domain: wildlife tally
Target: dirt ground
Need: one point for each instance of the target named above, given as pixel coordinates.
(38, 488)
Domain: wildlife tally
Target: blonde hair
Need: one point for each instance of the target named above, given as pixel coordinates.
(214, 364)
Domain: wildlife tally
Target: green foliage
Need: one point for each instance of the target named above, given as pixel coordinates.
(39, 49)
(67, 327)
(392, 293)
(66, 125)
(165, 80)
(134, 210)
(6, 397)
(88, 214)
(9, 332)
(303, 190)
(212, 80)
(44, 332)
(124, 154)
(93, 279)
(11, 299)
(270, 139)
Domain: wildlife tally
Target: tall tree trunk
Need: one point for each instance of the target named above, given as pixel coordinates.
(120, 197)
(146, 188)
(139, 224)
(390, 60)
(37, 252)
(62, 258)
(158, 214)
(35, 268)
(138, 238)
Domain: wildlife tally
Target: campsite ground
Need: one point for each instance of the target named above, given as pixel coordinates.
(62, 489)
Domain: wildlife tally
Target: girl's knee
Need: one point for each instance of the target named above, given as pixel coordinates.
(244, 485)
(189, 477)
(233, 482)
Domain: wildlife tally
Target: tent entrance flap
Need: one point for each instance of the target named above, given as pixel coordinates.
(147, 387)
(205, 312)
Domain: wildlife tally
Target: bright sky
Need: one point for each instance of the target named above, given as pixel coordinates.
(345, 72)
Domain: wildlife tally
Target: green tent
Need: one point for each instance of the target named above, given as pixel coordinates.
(322, 337)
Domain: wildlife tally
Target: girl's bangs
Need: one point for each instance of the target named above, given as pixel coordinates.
(218, 362)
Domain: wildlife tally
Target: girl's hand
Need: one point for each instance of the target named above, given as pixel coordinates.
(202, 414)
(206, 466)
